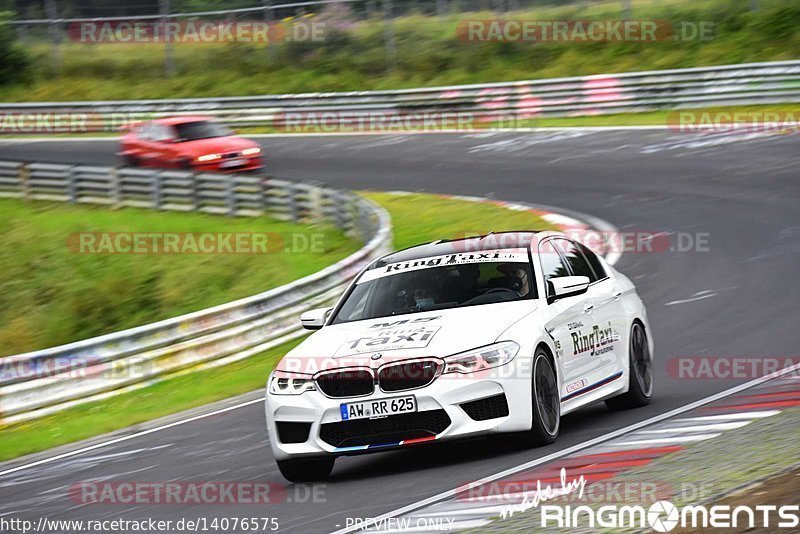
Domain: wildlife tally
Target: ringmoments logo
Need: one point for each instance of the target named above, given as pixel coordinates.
(664, 516)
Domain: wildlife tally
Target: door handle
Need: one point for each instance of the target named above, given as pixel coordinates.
(588, 307)
(617, 294)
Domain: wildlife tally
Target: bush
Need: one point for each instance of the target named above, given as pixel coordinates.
(14, 61)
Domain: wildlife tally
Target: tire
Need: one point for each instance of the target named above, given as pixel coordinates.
(306, 470)
(130, 161)
(546, 404)
(640, 377)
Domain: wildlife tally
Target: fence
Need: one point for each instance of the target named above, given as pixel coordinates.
(41, 382)
(503, 104)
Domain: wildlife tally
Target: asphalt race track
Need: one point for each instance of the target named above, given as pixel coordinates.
(738, 298)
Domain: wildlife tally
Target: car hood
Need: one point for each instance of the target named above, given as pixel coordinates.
(216, 144)
(436, 333)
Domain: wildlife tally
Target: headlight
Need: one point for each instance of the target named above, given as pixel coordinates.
(208, 157)
(251, 151)
(290, 385)
(481, 358)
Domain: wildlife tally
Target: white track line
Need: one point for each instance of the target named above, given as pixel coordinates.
(570, 450)
(669, 441)
(703, 428)
(126, 438)
(731, 416)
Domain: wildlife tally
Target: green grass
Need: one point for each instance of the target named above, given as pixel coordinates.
(420, 218)
(53, 295)
(417, 218)
(429, 52)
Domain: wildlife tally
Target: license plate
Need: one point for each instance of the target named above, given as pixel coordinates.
(377, 408)
(232, 163)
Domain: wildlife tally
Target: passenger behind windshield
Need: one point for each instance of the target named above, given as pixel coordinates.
(436, 288)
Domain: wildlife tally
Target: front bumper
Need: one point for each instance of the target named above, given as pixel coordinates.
(222, 165)
(317, 428)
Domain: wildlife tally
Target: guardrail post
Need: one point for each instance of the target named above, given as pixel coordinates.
(263, 194)
(24, 180)
(157, 190)
(364, 222)
(317, 202)
(230, 197)
(294, 207)
(72, 187)
(194, 194)
(341, 209)
(115, 187)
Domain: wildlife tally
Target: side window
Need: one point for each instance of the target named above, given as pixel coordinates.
(594, 262)
(576, 259)
(552, 264)
(162, 133)
(145, 131)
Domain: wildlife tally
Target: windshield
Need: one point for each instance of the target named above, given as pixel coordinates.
(438, 283)
(192, 131)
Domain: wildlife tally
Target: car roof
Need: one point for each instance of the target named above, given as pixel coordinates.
(182, 119)
(490, 241)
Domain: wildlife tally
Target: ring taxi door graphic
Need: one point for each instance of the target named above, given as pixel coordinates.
(599, 342)
(564, 317)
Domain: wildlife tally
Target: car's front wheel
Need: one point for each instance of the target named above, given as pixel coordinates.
(129, 160)
(640, 376)
(306, 469)
(546, 416)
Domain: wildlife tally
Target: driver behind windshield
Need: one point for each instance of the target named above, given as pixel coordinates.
(516, 278)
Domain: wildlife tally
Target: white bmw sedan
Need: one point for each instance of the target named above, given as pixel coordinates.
(500, 333)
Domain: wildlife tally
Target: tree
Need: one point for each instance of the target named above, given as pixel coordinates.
(14, 61)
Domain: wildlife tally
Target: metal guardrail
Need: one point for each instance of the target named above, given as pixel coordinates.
(755, 83)
(41, 382)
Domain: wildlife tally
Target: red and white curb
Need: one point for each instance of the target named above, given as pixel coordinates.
(479, 504)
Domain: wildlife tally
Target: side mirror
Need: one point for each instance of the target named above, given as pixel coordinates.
(566, 286)
(315, 319)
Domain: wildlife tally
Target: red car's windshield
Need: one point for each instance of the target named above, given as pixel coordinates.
(192, 131)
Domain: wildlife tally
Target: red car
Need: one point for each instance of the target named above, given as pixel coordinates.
(196, 143)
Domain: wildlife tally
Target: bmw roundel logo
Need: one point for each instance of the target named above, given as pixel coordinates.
(376, 356)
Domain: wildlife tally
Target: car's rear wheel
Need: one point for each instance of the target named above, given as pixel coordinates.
(640, 376)
(546, 408)
(306, 469)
